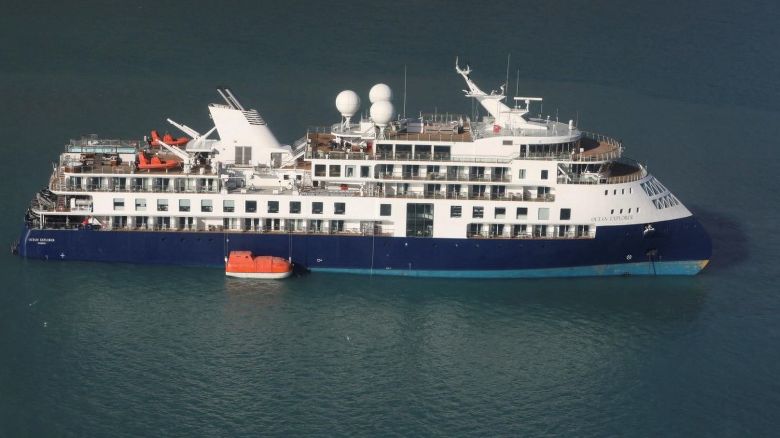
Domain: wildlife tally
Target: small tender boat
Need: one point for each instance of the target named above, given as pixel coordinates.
(154, 162)
(243, 264)
(167, 139)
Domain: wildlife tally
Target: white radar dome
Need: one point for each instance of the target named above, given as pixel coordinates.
(379, 93)
(382, 112)
(348, 103)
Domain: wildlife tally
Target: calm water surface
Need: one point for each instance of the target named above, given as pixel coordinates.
(112, 350)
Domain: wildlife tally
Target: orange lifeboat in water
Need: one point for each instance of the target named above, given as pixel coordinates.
(167, 139)
(154, 162)
(243, 265)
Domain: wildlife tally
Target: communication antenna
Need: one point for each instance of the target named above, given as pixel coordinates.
(506, 84)
(517, 83)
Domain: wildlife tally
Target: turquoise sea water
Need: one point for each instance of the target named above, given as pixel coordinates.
(110, 350)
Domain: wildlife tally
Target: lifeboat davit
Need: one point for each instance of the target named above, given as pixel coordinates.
(167, 139)
(155, 163)
(243, 265)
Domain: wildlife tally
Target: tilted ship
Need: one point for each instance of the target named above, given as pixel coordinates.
(504, 195)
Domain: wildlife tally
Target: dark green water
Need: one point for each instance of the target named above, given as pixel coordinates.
(110, 350)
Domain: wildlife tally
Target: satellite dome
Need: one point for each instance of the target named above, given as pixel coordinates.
(382, 112)
(348, 103)
(379, 93)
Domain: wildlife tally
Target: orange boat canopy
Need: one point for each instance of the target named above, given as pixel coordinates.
(155, 162)
(167, 139)
(244, 262)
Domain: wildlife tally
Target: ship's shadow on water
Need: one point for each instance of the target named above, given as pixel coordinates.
(729, 240)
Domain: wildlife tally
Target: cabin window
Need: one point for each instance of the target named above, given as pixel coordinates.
(565, 214)
(319, 170)
(606, 192)
(544, 174)
(385, 209)
(315, 225)
(522, 213)
(336, 226)
(184, 205)
(335, 170)
(162, 205)
(273, 206)
(350, 171)
(441, 153)
(365, 171)
(243, 154)
(119, 204)
(228, 206)
(544, 214)
(507, 142)
(500, 213)
(496, 230)
(456, 211)
(206, 205)
(521, 173)
(295, 207)
(339, 207)
(419, 220)
(140, 204)
(250, 206)
(478, 212)
(316, 207)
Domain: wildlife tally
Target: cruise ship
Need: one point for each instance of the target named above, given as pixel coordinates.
(507, 194)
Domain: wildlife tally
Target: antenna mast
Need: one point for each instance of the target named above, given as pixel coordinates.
(404, 91)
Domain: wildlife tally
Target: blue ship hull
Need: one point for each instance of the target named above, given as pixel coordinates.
(677, 247)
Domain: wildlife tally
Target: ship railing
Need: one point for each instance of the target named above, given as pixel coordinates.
(444, 177)
(638, 174)
(529, 235)
(379, 230)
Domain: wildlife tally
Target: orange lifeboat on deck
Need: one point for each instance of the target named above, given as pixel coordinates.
(154, 162)
(243, 265)
(167, 139)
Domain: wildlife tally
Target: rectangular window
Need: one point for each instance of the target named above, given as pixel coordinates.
(506, 143)
(319, 170)
(273, 206)
(478, 212)
(544, 174)
(335, 170)
(365, 171)
(206, 205)
(349, 171)
(315, 225)
(339, 207)
(500, 212)
(119, 203)
(336, 226)
(419, 220)
(522, 213)
(243, 154)
(316, 207)
(385, 209)
(140, 204)
(565, 214)
(456, 211)
(228, 206)
(521, 174)
(184, 205)
(250, 206)
(295, 207)
(162, 205)
(544, 214)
